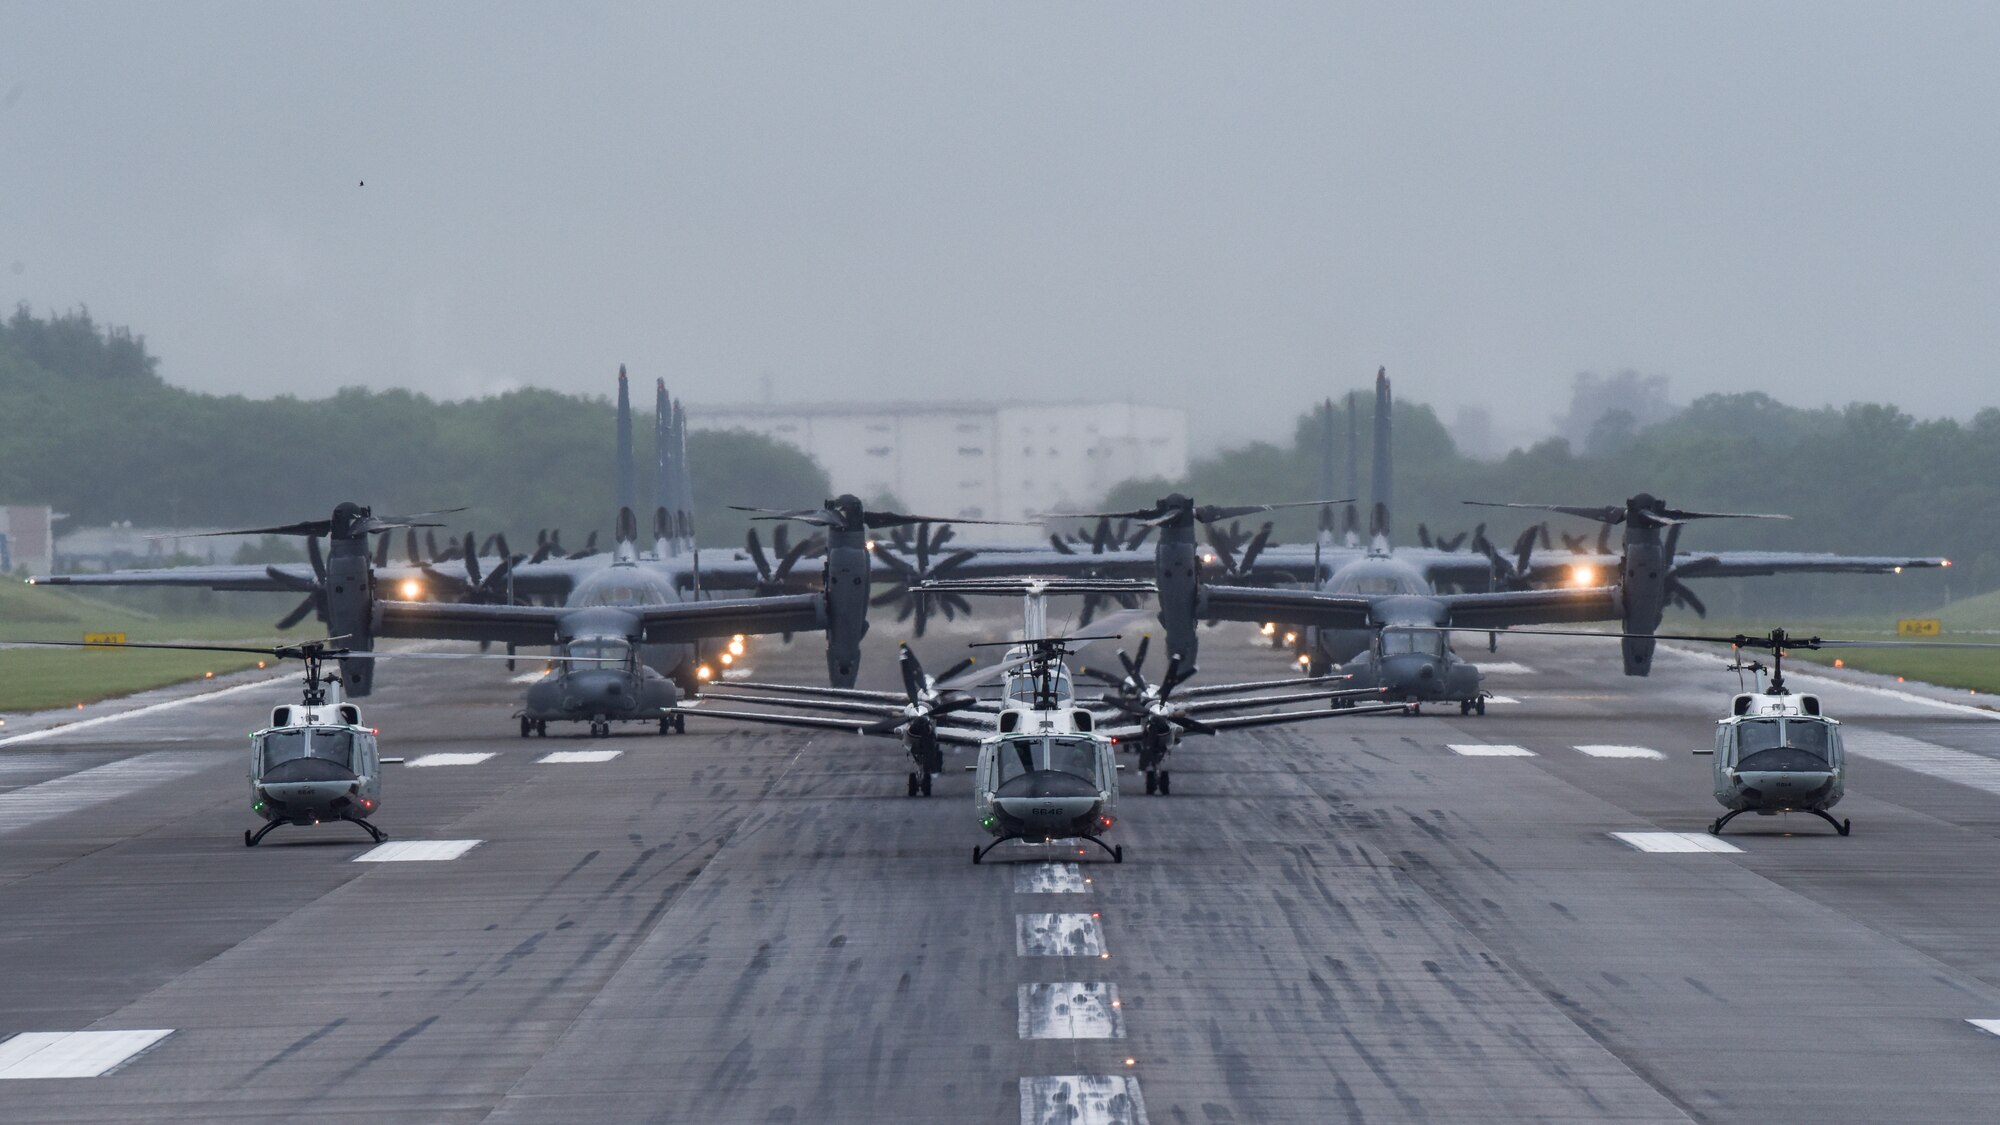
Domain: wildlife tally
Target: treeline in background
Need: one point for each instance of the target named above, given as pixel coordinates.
(92, 429)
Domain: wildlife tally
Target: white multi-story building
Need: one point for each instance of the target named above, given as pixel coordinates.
(973, 460)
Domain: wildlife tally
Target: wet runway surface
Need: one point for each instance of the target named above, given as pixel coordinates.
(1375, 919)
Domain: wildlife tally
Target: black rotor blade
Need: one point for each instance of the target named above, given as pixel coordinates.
(923, 548)
(1606, 514)
(1187, 722)
(1139, 539)
(1056, 541)
(1680, 592)
(298, 613)
(756, 548)
(1451, 544)
(472, 568)
(1256, 547)
(912, 671)
(958, 604)
(290, 581)
(1423, 536)
(1209, 513)
(1089, 611)
(790, 559)
(1220, 543)
(953, 672)
(1145, 643)
(317, 560)
(410, 547)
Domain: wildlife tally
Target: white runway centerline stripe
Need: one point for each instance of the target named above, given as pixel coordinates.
(1621, 752)
(565, 757)
(1481, 750)
(1675, 842)
(1503, 668)
(416, 851)
(1071, 1010)
(1991, 1027)
(72, 1054)
(1049, 879)
(1502, 699)
(448, 760)
(1082, 1099)
(33, 804)
(1962, 766)
(1058, 935)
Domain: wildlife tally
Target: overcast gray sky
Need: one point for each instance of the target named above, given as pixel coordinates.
(1234, 207)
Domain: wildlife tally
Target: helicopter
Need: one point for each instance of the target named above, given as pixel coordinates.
(1776, 751)
(315, 763)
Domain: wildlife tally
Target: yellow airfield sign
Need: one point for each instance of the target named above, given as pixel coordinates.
(104, 638)
(1919, 627)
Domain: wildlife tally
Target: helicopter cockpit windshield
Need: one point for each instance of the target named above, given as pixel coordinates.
(1074, 756)
(326, 745)
(1795, 739)
(1400, 641)
(597, 652)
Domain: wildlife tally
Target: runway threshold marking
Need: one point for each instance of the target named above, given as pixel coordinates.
(1482, 750)
(1071, 1010)
(1082, 1099)
(567, 757)
(449, 759)
(33, 804)
(1050, 879)
(1675, 842)
(1058, 935)
(1991, 1027)
(416, 851)
(72, 1054)
(1597, 751)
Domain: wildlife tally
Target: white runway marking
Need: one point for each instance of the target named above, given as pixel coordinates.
(1674, 842)
(1049, 879)
(564, 757)
(33, 804)
(1991, 1027)
(1480, 750)
(416, 851)
(1070, 1010)
(1082, 1099)
(1621, 752)
(1504, 668)
(71, 1054)
(1502, 699)
(448, 760)
(526, 677)
(150, 709)
(1961, 766)
(1058, 935)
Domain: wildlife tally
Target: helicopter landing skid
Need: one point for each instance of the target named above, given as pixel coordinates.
(251, 840)
(1116, 853)
(1840, 826)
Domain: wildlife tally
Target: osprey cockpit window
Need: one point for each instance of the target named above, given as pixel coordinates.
(1399, 641)
(597, 652)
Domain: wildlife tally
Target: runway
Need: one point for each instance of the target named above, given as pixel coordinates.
(1373, 919)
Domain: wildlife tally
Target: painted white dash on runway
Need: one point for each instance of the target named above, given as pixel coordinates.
(72, 1054)
(1082, 1099)
(448, 760)
(565, 757)
(33, 804)
(1071, 1010)
(1962, 766)
(1481, 750)
(1502, 699)
(526, 677)
(1621, 752)
(1991, 1027)
(416, 851)
(1049, 879)
(1503, 668)
(1675, 842)
(1058, 935)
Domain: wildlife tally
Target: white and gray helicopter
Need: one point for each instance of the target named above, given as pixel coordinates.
(316, 762)
(1777, 751)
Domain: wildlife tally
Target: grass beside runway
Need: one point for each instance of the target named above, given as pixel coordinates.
(36, 680)
(1968, 619)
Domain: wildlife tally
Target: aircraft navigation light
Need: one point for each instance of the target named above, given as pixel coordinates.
(412, 589)
(1582, 574)
(704, 673)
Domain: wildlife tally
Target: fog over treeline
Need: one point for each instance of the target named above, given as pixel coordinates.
(95, 431)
